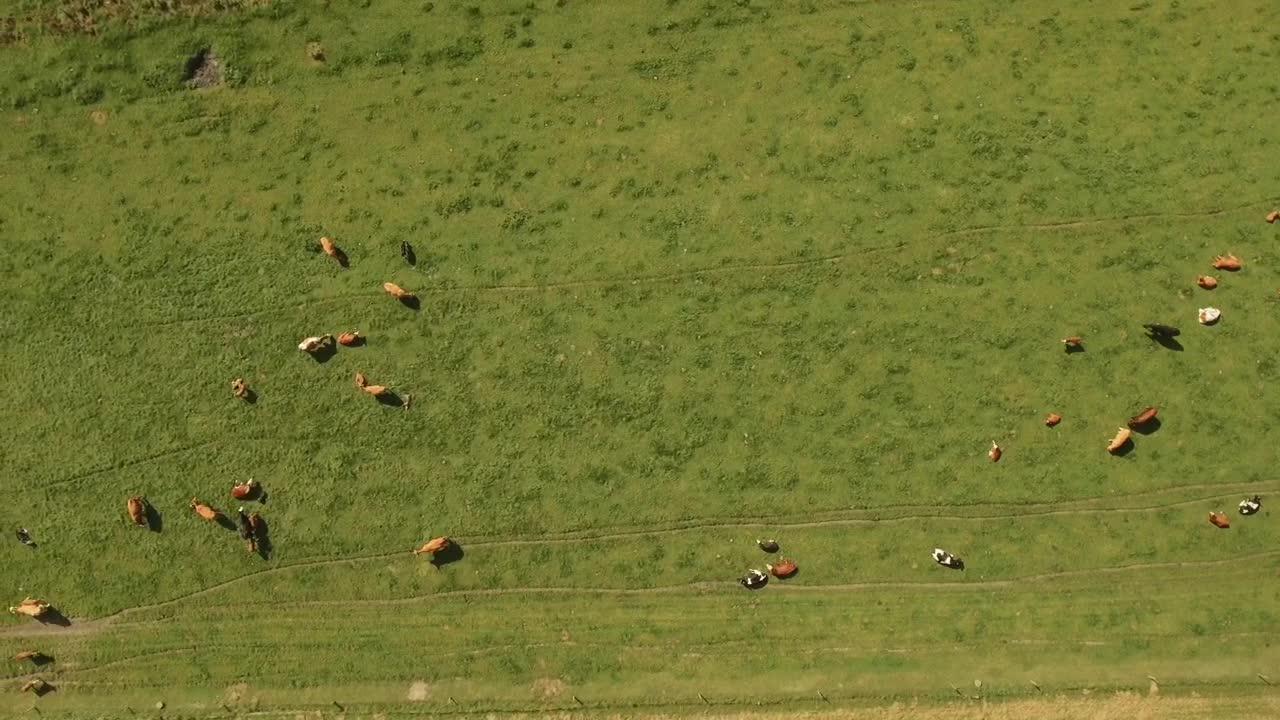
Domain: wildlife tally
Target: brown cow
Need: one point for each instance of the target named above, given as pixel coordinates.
(398, 292)
(1052, 419)
(31, 608)
(137, 506)
(34, 656)
(239, 388)
(1273, 216)
(361, 380)
(783, 569)
(333, 251)
(434, 545)
(1208, 282)
(245, 490)
(1147, 415)
(204, 511)
(1219, 519)
(995, 452)
(350, 337)
(1227, 262)
(376, 390)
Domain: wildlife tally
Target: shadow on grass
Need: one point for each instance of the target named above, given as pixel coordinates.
(1147, 427)
(390, 399)
(155, 521)
(411, 301)
(450, 554)
(53, 616)
(325, 352)
(1124, 449)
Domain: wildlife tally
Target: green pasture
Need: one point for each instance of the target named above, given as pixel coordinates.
(691, 274)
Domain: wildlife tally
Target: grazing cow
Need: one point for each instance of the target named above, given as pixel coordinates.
(137, 506)
(245, 490)
(205, 511)
(433, 546)
(32, 655)
(1251, 506)
(37, 686)
(314, 343)
(1273, 216)
(1147, 415)
(376, 390)
(1119, 441)
(1227, 262)
(398, 292)
(1219, 520)
(1072, 342)
(239, 388)
(24, 537)
(769, 546)
(406, 252)
(754, 579)
(946, 559)
(333, 251)
(31, 608)
(1052, 419)
(350, 337)
(1207, 282)
(783, 569)
(995, 452)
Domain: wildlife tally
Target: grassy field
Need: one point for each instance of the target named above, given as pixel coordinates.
(692, 273)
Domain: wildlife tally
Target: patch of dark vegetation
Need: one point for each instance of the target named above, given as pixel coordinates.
(93, 17)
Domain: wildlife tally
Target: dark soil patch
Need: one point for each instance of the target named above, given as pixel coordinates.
(203, 70)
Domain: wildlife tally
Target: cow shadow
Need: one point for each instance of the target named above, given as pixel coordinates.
(263, 539)
(324, 353)
(390, 399)
(449, 555)
(1166, 342)
(155, 521)
(1124, 449)
(40, 660)
(1073, 349)
(1147, 427)
(226, 523)
(54, 616)
(406, 252)
(411, 301)
(41, 689)
(250, 396)
(956, 564)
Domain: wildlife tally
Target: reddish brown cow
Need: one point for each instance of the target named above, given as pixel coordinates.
(333, 251)
(1208, 282)
(1147, 415)
(995, 452)
(244, 490)
(1273, 216)
(137, 507)
(783, 569)
(1052, 419)
(1219, 519)
(349, 338)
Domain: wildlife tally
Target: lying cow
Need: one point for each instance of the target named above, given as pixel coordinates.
(1251, 506)
(433, 546)
(315, 343)
(754, 580)
(205, 511)
(30, 607)
(137, 507)
(946, 559)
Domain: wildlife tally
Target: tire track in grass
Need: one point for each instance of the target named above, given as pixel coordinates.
(590, 536)
(126, 464)
(723, 270)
